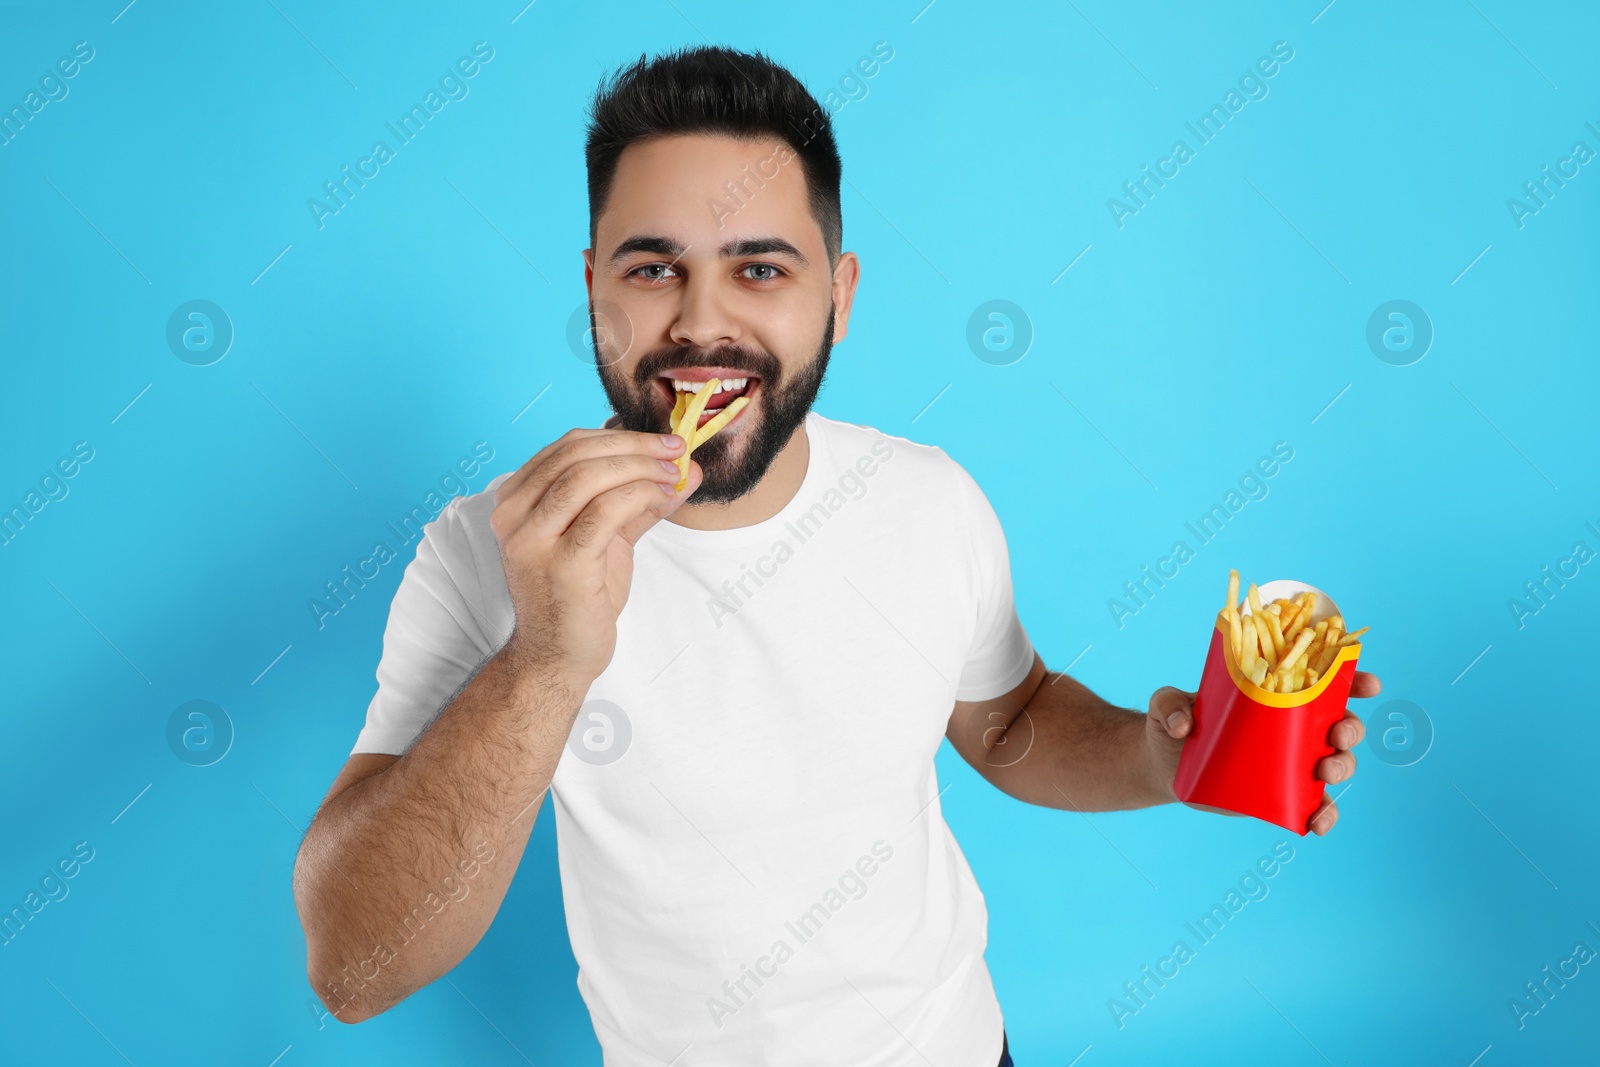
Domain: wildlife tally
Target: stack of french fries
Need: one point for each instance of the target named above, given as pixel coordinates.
(686, 414)
(1276, 646)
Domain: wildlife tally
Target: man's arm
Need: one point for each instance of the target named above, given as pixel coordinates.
(1052, 742)
(403, 869)
(407, 862)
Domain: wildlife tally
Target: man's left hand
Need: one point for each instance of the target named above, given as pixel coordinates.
(1171, 719)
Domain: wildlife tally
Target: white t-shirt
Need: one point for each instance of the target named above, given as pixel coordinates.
(754, 861)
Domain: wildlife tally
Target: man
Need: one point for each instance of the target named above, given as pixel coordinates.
(734, 692)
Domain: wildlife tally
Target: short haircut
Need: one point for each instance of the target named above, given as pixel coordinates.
(714, 90)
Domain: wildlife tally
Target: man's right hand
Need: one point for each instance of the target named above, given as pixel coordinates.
(567, 522)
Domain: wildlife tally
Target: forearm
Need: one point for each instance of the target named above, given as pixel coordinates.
(401, 873)
(1070, 749)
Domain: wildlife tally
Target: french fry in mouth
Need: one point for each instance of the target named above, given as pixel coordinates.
(719, 420)
(686, 414)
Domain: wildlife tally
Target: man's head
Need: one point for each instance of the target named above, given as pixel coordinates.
(715, 238)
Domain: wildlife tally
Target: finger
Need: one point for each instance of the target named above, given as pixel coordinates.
(527, 485)
(1347, 732)
(520, 475)
(635, 528)
(1172, 710)
(587, 479)
(602, 520)
(1365, 685)
(1326, 815)
(1337, 767)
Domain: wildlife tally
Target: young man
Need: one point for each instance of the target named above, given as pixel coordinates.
(734, 692)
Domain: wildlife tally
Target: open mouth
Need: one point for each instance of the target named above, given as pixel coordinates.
(731, 386)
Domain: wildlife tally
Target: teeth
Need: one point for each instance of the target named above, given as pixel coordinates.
(683, 386)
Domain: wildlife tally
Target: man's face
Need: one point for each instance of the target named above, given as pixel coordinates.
(690, 282)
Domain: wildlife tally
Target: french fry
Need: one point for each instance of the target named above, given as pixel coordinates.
(1276, 645)
(696, 404)
(1294, 618)
(1276, 631)
(1264, 636)
(1319, 635)
(688, 422)
(719, 420)
(1301, 643)
(677, 410)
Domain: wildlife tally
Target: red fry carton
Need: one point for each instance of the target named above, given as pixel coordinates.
(1255, 752)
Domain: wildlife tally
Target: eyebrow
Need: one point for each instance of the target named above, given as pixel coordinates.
(738, 248)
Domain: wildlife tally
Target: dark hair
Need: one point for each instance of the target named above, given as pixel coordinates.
(722, 91)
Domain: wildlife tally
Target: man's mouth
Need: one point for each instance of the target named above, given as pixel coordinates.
(732, 384)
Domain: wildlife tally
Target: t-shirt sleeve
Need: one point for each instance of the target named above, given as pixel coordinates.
(1001, 654)
(429, 645)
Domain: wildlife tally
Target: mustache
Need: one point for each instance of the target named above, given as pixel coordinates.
(758, 364)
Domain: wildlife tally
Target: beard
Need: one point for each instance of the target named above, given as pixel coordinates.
(731, 466)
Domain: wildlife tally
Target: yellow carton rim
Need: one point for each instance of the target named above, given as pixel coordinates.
(1279, 700)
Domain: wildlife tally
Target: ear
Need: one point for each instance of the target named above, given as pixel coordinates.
(588, 271)
(846, 273)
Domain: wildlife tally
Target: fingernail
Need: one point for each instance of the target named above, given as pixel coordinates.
(668, 465)
(668, 488)
(671, 440)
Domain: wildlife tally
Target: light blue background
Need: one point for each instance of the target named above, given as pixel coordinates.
(1224, 316)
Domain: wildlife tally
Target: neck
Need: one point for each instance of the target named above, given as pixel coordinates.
(776, 488)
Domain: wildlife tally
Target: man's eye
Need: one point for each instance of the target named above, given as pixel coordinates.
(651, 266)
(775, 272)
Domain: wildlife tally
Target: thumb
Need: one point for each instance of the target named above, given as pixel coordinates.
(1172, 709)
